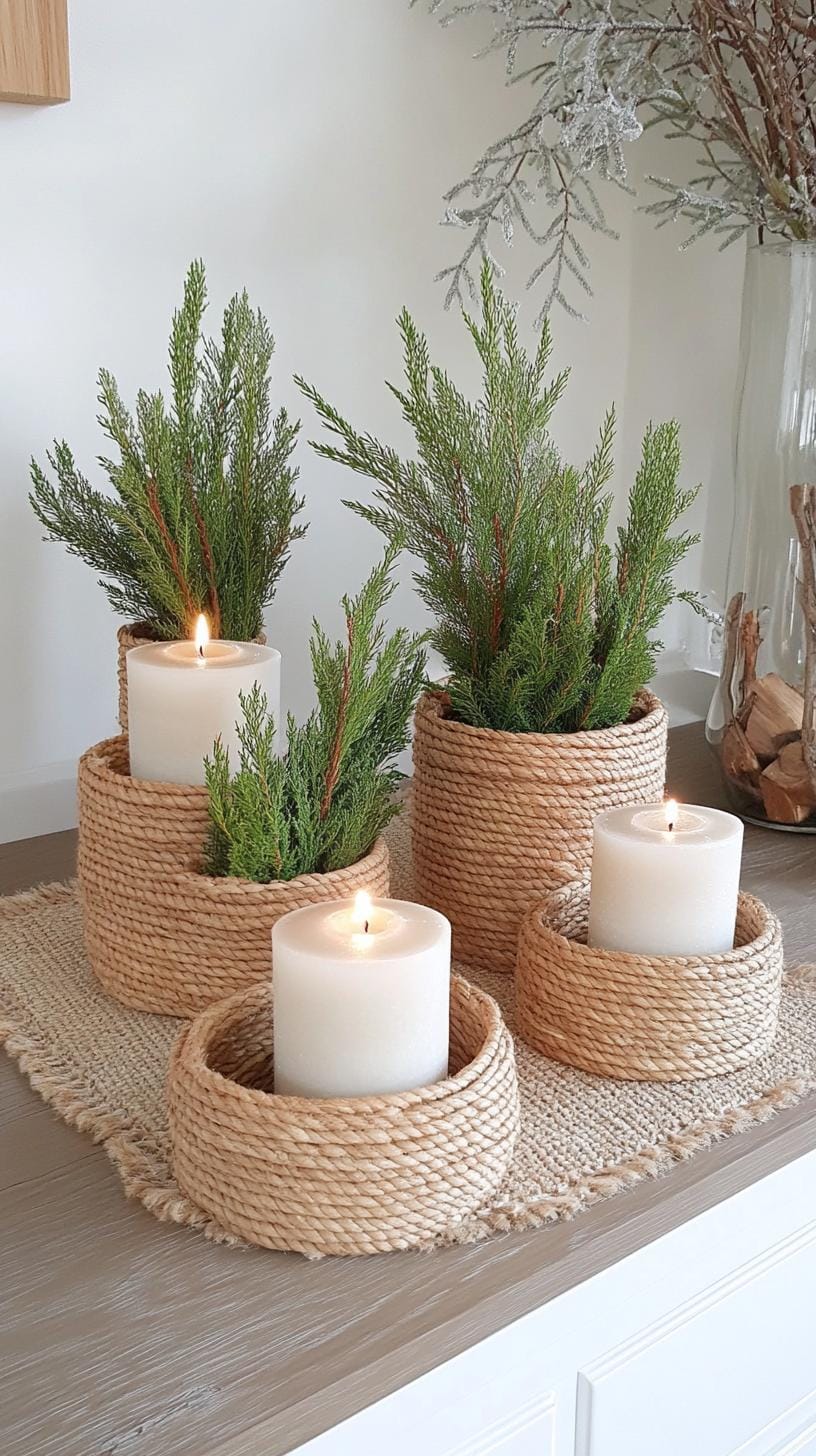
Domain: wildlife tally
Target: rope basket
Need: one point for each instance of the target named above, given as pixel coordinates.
(360, 1175)
(502, 818)
(138, 634)
(642, 1018)
(135, 634)
(161, 936)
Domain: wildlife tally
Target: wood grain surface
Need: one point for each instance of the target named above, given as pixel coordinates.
(125, 1337)
(34, 64)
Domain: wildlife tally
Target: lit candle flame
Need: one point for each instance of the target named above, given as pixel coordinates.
(361, 913)
(670, 810)
(201, 634)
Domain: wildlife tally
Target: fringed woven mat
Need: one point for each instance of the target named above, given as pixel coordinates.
(583, 1138)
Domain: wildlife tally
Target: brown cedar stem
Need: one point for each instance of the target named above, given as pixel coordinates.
(172, 551)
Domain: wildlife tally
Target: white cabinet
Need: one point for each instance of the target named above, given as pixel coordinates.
(722, 1374)
(457, 1410)
(530, 1432)
(702, 1343)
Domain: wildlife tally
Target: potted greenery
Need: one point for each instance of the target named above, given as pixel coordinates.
(735, 85)
(546, 630)
(181, 885)
(203, 508)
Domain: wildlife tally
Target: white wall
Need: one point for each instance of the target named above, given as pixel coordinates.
(684, 335)
(302, 150)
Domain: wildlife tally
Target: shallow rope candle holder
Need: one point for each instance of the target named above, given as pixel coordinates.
(358, 1175)
(640, 1017)
(161, 936)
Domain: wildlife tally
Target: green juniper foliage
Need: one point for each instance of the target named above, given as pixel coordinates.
(543, 626)
(322, 806)
(203, 508)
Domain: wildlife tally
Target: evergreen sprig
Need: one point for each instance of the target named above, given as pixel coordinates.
(322, 805)
(203, 508)
(543, 626)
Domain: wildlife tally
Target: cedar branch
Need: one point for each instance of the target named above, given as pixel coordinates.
(209, 567)
(333, 769)
(171, 551)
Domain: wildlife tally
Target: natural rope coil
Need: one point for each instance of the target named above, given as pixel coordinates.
(160, 935)
(359, 1175)
(135, 634)
(646, 1018)
(501, 818)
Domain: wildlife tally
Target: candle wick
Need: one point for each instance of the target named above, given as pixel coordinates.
(201, 649)
(365, 928)
(671, 825)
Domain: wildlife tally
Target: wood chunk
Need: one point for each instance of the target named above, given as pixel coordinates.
(750, 643)
(731, 632)
(777, 710)
(744, 711)
(739, 761)
(787, 792)
(803, 508)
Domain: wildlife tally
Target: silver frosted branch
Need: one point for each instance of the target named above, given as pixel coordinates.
(737, 78)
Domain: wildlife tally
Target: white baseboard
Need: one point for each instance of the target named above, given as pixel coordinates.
(37, 801)
(686, 691)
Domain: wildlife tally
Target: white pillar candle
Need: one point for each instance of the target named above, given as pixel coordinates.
(184, 695)
(361, 994)
(665, 880)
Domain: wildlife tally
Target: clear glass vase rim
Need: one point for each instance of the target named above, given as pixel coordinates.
(785, 245)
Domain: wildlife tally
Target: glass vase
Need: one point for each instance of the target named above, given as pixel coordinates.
(759, 722)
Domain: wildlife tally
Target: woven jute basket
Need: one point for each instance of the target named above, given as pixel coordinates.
(137, 634)
(646, 1018)
(360, 1175)
(502, 818)
(160, 935)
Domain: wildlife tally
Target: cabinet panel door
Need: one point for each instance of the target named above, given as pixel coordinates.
(716, 1376)
(792, 1434)
(439, 1416)
(528, 1432)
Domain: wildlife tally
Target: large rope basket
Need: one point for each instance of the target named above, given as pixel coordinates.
(359, 1175)
(502, 818)
(137, 634)
(160, 935)
(646, 1018)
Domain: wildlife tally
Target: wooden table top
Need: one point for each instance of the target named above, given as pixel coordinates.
(124, 1335)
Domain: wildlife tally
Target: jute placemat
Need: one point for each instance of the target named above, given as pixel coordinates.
(583, 1138)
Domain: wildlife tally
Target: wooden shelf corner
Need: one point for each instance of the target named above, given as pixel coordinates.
(34, 51)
